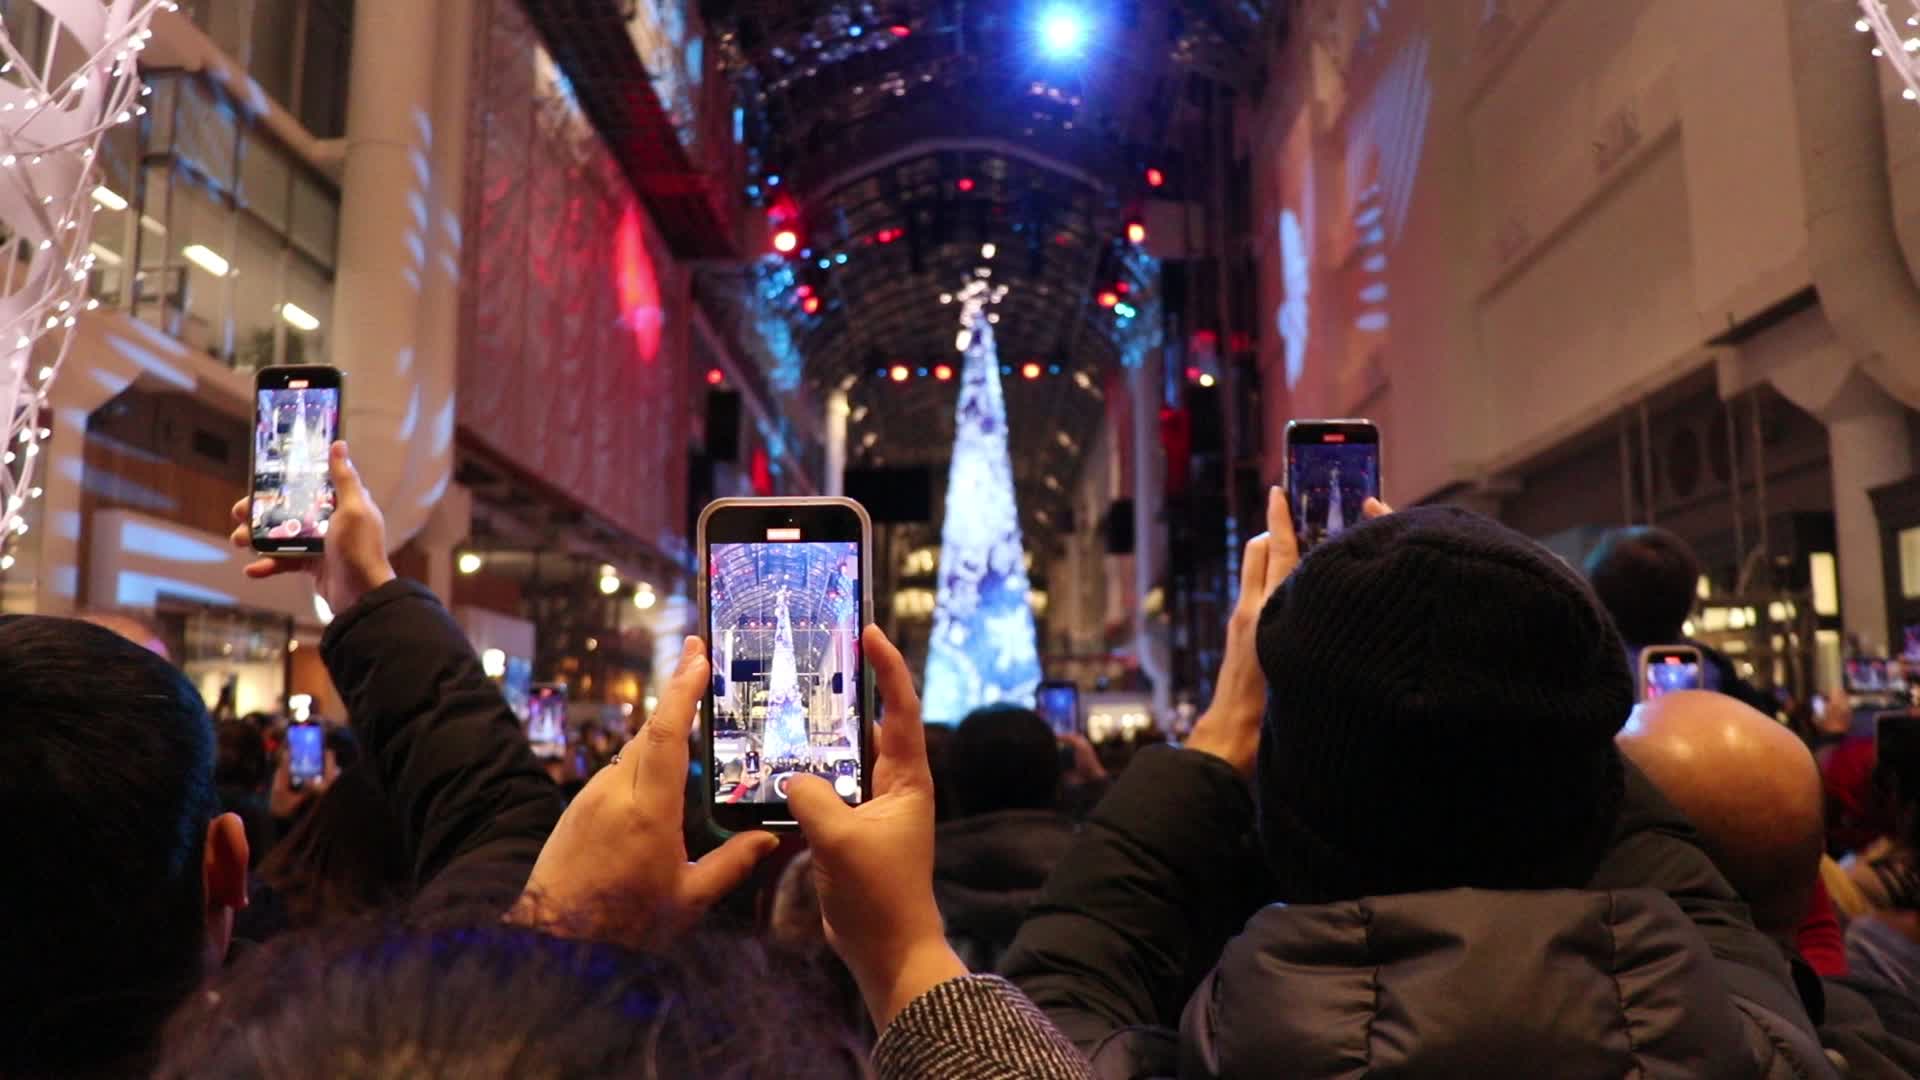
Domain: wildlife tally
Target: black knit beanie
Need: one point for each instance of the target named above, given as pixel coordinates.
(1444, 696)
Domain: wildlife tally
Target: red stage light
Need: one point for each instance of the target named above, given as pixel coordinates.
(899, 373)
(810, 305)
(1136, 232)
(804, 291)
(1109, 298)
(1155, 178)
(1122, 288)
(899, 30)
(1193, 374)
(785, 241)
(965, 183)
(715, 376)
(1030, 370)
(942, 372)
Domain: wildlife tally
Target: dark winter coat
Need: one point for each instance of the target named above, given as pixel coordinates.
(987, 871)
(1138, 914)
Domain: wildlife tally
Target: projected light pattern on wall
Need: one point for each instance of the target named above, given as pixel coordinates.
(983, 649)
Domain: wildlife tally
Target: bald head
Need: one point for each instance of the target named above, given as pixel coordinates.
(1751, 788)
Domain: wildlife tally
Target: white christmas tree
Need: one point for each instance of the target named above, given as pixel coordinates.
(983, 650)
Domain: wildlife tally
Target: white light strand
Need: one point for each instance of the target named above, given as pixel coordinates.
(1895, 27)
(50, 132)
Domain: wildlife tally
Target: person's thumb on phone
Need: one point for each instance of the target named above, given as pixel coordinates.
(820, 812)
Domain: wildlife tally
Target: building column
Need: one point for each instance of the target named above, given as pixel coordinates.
(1145, 385)
(388, 287)
(834, 483)
(1867, 447)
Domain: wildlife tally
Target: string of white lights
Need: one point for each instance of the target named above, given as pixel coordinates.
(54, 109)
(1895, 25)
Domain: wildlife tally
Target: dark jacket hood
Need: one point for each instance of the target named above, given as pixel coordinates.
(988, 869)
(1481, 984)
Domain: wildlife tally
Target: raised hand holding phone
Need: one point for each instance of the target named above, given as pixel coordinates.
(616, 864)
(1230, 728)
(354, 561)
(873, 863)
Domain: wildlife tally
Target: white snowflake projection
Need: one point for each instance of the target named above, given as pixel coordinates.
(984, 649)
(54, 107)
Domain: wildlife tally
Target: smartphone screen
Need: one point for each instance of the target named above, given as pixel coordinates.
(296, 419)
(1662, 671)
(785, 602)
(1058, 703)
(547, 721)
(1333, 468)
(306, 753)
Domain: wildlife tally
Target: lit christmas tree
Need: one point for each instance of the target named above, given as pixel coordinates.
(983, 650)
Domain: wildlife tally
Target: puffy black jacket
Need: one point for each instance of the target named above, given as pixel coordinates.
(475, 804)
(987, 871)
(1487, 984)
(1166, 871)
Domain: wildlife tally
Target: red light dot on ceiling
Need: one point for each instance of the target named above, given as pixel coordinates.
(1193, 373)
(1121, 287)
(1155, 178)
(899, 373)
(1030, 369)
(804, 291)
(715, 376)
(810, 305)
(965, 183)
(899, 30)
(1108, 299)
(942, 372)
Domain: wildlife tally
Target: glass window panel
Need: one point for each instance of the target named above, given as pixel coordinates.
(161, 277)
(202, 238)
(275, 35)
(258, 258)
(316, 214)
(323, 78)
(162, 107)
(207, 133)
(266, 180)
(310, 290)
(225, 21)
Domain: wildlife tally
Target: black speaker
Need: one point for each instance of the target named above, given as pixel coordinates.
(723, 425)
(893, 495)
(1119, 527)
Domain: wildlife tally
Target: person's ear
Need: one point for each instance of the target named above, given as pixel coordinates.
(223, 870)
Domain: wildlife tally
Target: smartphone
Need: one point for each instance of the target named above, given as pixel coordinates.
(1333, 468)
(296, 418)
(784, 595)
(306, 754)
(1666, 668)
(547, 721)
(1058, 703)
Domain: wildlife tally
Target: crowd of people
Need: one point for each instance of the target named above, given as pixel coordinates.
(1422, 830)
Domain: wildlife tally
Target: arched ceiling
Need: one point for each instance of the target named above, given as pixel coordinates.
(910, 136)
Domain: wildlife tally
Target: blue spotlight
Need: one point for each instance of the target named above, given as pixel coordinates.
(1063, 30)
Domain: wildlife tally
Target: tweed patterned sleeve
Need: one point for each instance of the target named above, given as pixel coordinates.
(978, 1027)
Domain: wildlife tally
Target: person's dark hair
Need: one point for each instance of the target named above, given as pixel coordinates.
(495, 1000)
(242, 763)
(1002, 757)
(346, 858)
(108, 756)
(1645, 578)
